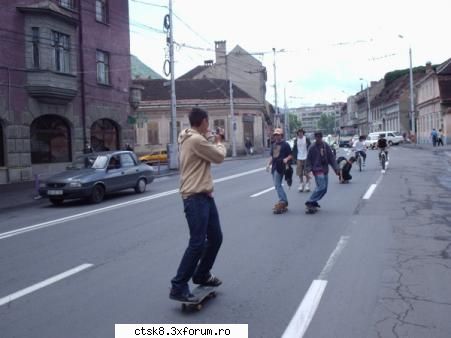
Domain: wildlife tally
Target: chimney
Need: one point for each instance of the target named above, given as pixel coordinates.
(208, 63)
(428, 67)
(220, 49)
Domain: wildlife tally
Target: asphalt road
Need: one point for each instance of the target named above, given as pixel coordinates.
(374, 262)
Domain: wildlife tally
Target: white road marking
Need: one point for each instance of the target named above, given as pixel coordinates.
(369, 191)
(110, 207)
(333, 257)
(43, 284)
(306, 310)
(262, 192)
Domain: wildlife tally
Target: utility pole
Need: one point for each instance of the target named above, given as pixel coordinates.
(173, 148)
(232, 118)
(232, 110)
(277, 117)
(286, 115)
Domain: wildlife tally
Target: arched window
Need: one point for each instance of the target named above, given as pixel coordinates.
(2, 147)
(50, 140)
(104, 135)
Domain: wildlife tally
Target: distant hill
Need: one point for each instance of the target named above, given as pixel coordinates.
(142, 71)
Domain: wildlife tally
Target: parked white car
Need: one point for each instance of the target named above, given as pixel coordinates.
(392, 137)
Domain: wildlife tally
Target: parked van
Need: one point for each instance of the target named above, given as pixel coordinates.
(392, 137)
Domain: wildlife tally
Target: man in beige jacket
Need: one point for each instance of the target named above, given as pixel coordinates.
(196, 188)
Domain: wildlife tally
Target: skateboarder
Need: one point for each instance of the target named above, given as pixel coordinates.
(319, 158)
(196, 188)
(280, 157)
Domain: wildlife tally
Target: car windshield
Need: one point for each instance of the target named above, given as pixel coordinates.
(90, 162)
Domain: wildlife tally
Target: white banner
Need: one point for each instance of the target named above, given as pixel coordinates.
(181, 330)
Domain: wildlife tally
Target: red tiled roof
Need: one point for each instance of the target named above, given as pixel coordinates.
(202, 89)
(393, 90)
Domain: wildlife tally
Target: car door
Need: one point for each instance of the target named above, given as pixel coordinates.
(130, 169)
(114, 174)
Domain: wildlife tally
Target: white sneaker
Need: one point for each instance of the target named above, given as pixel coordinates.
(307, 187)
(301, 187)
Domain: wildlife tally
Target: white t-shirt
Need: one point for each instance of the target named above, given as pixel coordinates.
(359, 146)
(302, 148)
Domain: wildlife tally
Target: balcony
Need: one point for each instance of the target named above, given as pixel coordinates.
(51, 87)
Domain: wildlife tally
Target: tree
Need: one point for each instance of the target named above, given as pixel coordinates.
(295, 124)
(326, 123)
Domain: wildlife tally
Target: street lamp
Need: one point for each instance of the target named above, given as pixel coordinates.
(412, 106)
(368, 103)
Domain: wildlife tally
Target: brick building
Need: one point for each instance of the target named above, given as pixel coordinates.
(64, 82)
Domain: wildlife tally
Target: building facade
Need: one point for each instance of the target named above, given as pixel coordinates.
(433, 103)
(64, 83)
(153, 126)
(309, 116)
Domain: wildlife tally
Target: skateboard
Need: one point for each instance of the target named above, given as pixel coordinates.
(311, 209)
(202, 293)
(279, 209)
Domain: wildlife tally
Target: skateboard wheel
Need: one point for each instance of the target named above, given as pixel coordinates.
(198, 307)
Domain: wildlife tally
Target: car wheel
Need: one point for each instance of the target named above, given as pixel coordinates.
(390, 143)
(140, 186)
(98, 193)
(57, 201)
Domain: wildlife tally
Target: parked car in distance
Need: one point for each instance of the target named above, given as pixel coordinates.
(392, 137)
(91, 176)
(157, 156)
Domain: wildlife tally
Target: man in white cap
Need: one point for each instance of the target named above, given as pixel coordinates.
(280, 158)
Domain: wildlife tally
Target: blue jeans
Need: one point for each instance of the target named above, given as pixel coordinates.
(320, 190)
(204, 242)
(278, 179)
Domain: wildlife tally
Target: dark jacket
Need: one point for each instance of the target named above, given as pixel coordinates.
(277, 161)
(319, 157)
(294, 152)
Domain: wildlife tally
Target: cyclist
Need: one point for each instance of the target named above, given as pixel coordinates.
(382, 145)
(359, 148)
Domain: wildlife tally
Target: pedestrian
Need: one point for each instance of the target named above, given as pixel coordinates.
(319, 158)
(128, 147)
(434, 136)
(196, 189)
(279, 160)
(344, 168)
(440, 138)
(301, 145)
(87, 149)
(249, 146)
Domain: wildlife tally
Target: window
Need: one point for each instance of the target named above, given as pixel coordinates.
(61, 52)
(101, 11)
(35, 46)
(103, 67)
(127, 161)
(50, 140)
(67, 4)
(178, 126)
(104, 135)
(152, 133)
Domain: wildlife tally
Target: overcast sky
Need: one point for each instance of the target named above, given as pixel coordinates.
(329, 45)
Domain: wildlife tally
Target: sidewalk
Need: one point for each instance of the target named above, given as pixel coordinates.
(426, 146)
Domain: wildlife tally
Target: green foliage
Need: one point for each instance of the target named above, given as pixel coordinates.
(392, 76)
(295, 124)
